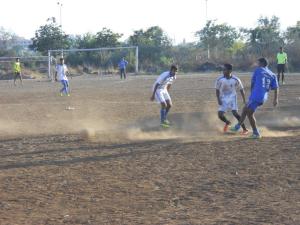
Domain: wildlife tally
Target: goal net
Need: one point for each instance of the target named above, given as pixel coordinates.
(96, 61)
(31, 66)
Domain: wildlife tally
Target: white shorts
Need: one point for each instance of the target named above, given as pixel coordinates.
(228, 103)
(162, 95)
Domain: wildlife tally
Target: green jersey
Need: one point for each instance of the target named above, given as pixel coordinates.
(281, 58)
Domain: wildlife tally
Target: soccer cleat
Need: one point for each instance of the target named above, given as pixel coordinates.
(167, 122)
(245, 132)
(226, 128)
(68, 95)
(235, 128)
(61, 94)
(255, 136)
(164, 125)
(283, 82)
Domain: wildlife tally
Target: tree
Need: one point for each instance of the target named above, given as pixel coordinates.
(292, 36)
(107, 38)
(217, 37)
(49, 36)
(154, 45)
(265, 38)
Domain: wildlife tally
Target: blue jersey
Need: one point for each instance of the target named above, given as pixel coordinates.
(263, 80)
(123, 64)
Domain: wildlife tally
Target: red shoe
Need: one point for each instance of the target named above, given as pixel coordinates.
(226, 128)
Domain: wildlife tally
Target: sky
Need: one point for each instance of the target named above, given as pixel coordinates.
(180, 19)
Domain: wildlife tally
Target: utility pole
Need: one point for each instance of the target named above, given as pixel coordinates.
(206, 15)
(60, 24)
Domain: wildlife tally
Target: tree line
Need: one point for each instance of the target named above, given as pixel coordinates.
(216, 43)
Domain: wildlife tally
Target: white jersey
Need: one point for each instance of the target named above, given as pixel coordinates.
(228, 87)
(61, 72)
(164, 80)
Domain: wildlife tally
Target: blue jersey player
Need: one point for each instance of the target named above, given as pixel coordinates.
(263, 80)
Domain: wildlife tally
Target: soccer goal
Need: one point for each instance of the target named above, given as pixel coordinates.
(97, 61)
(31, 66)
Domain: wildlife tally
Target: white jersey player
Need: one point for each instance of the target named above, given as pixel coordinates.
(160, 92)
(61, 75)
(226, 86)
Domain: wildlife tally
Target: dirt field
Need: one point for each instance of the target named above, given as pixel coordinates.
(99, 156)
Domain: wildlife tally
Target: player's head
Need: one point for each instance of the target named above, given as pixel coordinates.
(262, 62)
(227, 69)
(173, 69)
(281, 49)
(61, 60)
(18, 59)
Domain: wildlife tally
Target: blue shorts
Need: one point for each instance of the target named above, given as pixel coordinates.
(252, 104)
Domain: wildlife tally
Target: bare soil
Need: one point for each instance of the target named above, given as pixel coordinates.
(99, 156)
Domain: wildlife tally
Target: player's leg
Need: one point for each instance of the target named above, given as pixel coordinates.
(163, 106)
(252, 121)
(15, 78)
(278, 72)
(282, 74)
(67, 88)
(241, 120)
(21, 79)
(168, 100)
(63, 89)
(226, 105)
(222, 117)
(238, 117)
(124, 71)
(121, 74)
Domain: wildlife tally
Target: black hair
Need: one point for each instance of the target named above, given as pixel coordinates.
(263, 61)
(228, 66)
(174, 67)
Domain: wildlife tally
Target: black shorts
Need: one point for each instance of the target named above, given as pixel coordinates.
(17, 75)
(280, 68)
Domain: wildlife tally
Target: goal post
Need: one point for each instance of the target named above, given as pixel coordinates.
(63, 52)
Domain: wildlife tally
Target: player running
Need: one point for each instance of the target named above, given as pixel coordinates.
(263, 80)
(226, 86)
(62, 72)
(160, 92)
(17, 71)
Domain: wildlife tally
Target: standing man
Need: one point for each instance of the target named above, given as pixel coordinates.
(281, 64)
(226, 88)
(122, 67)
(62, 72)
(17, 71)
(160, 92)
(263, 80)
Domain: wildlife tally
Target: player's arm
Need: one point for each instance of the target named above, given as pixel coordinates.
(68, 73)
(154, 90)
(218, 96)
(242, 91)
(243, 95)
(169, 87)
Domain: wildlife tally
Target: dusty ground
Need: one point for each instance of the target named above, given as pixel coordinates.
(98, 157)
